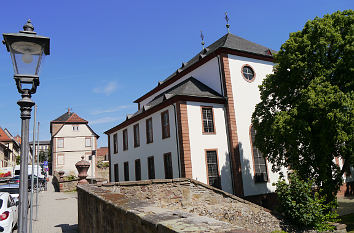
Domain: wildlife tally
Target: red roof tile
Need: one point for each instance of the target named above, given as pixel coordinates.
(3, 136)
(69, 117)
(75, 118)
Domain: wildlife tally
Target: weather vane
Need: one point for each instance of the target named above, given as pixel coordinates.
(227, 22)
(202, 36)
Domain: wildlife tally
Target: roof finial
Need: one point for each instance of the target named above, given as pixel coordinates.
(227, 22)
(69, 109)
(202, 36)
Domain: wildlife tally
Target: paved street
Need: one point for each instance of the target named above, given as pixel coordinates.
(57, 212)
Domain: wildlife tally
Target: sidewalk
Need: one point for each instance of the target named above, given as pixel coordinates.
(57, 212)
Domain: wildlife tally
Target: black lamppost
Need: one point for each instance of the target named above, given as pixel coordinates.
(26, 49)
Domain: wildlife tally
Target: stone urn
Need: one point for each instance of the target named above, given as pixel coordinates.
(61, 176)
(82, 167)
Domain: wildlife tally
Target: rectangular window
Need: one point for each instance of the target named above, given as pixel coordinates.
(116, 173)
(136, 136)
(137, 170)
(213, 168)
(167, 159)
(126, 171)
(115, 143)
(149, 134)
(60, 159)
(75, 128)
(208, 120)
(151, 168)
(165, 125)
(87, 142)
(125, 139)
(260, 165)
(60, 142)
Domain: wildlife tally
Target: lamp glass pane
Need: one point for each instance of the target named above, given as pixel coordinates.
(26, 57)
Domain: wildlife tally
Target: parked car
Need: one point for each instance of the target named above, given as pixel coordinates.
(8, 212)
(41, 181)
(14, 180)
(12, 189)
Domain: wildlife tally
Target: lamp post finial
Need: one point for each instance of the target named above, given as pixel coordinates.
(28, 27)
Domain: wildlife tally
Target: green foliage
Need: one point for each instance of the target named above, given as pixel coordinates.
(43, 155)
(70, 177)
(302, 206)
(305, 117)
(102, 164)
(18, 160)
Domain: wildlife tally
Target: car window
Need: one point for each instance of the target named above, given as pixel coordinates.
(12, 201)
(1, 201)
(9, 204)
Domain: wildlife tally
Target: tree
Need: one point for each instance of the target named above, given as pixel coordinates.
(44, 155)
(305, 117)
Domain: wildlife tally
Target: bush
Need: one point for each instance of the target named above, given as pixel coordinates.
(102, 164)
(302, 206)
(70, 177)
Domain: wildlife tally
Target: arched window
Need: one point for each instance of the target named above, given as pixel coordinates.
(259, 162)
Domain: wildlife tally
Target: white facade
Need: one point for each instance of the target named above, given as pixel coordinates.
(200, 142)
(246, 96)
(70, 145)
(157, 148)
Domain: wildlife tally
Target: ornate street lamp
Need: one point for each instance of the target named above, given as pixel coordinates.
(27, 50)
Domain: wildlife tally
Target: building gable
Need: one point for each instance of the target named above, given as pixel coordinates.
(229, 44)
(67, 131)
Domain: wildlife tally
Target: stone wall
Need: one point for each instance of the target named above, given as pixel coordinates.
(102, 173)
(178, 205)
(166, 206)
(64, 185)
(194, 197)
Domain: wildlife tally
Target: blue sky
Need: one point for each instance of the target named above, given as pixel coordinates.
(105, 54)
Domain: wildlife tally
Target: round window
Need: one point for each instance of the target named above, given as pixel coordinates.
(248, 73)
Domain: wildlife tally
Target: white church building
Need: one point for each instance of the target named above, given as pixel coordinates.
(197, 124)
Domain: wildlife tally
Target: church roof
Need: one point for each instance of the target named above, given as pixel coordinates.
(189, 87)
(230, 42)
(69, 117)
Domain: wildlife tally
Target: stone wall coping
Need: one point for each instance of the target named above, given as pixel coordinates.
(182, 180)
(162, 220)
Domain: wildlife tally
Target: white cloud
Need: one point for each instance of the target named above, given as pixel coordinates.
(104, 120)
(107, 89)
(110, 110)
